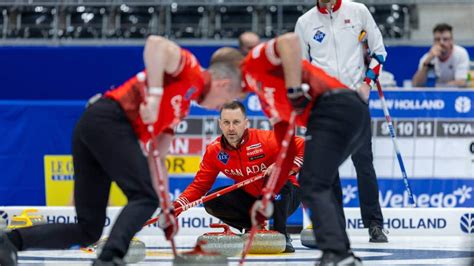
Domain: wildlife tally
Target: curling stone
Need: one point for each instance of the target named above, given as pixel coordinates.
(136, 251)
(307, 237)
(226, 243)
(198, 256)
(26, 220)
(266, 242)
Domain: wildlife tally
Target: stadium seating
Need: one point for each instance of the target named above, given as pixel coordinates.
(218, 19)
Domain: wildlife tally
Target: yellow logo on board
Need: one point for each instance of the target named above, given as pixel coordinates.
(59, 182)
(59, 178)
(182, 165)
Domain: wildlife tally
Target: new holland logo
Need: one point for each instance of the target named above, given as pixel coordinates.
(462, 104)
(467, 223)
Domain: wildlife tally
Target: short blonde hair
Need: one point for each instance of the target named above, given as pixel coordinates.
(227, 55)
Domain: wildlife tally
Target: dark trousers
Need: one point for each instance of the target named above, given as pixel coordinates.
(367, 182)
(335, 130)
(234, 207)
(105, 149)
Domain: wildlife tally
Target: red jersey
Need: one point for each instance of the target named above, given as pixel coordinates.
(263, 74)
(257, 151)
(186, 84)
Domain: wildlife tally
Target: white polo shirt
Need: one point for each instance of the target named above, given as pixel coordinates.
(332, 42)
(455, 67)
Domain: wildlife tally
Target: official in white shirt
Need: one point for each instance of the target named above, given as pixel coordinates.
(331, 36)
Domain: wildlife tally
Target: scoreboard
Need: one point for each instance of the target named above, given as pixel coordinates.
(430, 147)
(435, 134)
(435, 131)
(440, 143)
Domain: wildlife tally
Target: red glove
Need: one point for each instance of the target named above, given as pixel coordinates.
(178, 208)
(149, 109)
(180, 205)
(169, 224)
(258, 214)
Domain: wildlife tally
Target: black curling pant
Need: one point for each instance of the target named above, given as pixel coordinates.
(367, 182)
(105, 149)
(335, 130)
(234, 207)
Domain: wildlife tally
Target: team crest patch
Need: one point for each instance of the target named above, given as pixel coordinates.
(319, 36)
(189, 93)
(223, 157)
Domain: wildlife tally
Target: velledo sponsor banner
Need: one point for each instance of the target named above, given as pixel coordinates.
(431, 192)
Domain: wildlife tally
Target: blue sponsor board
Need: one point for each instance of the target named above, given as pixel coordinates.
(118, 63)
(430, 192)
(429, 103)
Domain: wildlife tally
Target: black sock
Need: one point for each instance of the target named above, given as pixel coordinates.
(15, 237)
